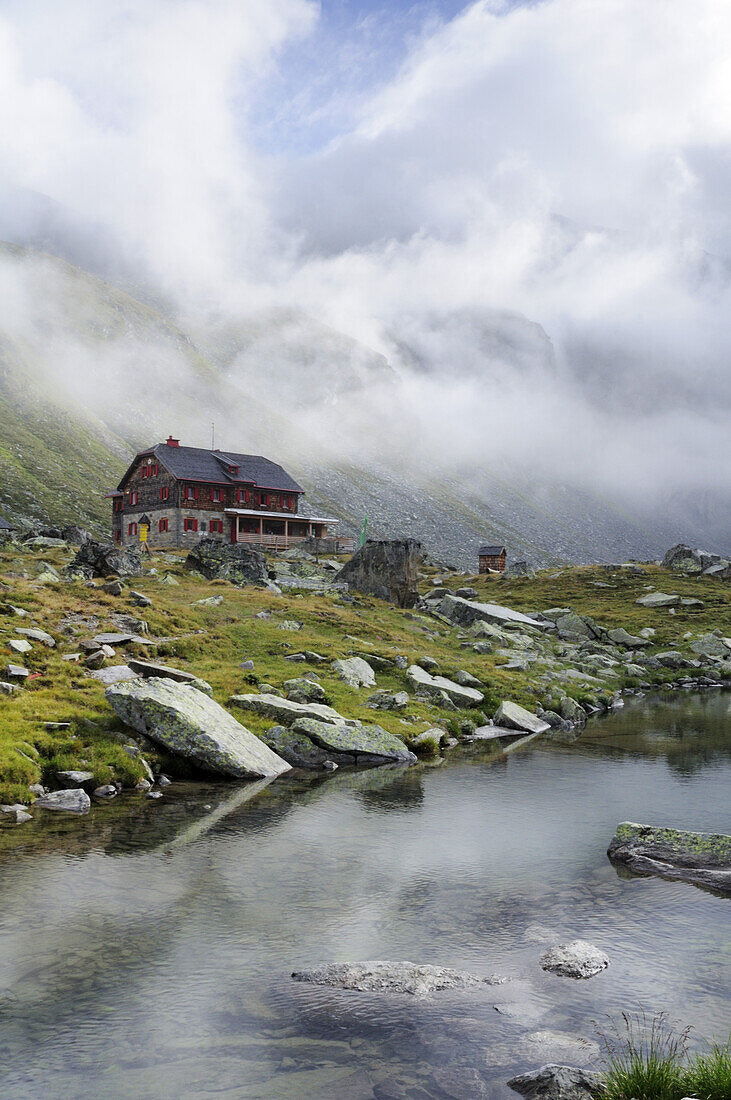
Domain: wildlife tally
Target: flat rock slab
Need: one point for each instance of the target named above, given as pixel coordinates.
(458, 693)
(703, 859)
(465, 612)
(20, 645)
(71, 802)
(578, 959)
(556, 1082)
(37, 635)
(285, 711)
(658, 599)
(355, 671)
(111, 637)
(516, 717)
(152, 668)
(392, 977)
(493, 733)
(188, 722)
(114, 674)
(366, 743)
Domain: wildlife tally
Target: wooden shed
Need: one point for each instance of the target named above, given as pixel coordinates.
(492, 557)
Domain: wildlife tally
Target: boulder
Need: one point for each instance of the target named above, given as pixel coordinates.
(114, 674)
(17, 814)
(302, 690)
(620, 636)
(556, 1082)
(102, 559)
(36, 635)
(392, 977)
(572, 624)
(284, 711)
(519, 569)
(388, 700)
(459, 694)
(429, 742)
(466, 612)
(710, 645)
(387, 569)
(186, 721)
(296, 748)
(703, 859)
(106, 792)
(578, 959)
(355, 671)
(69, 780)
(74, 801)
(368, 744)
(516, 717)
(233, 562)
(658, 599)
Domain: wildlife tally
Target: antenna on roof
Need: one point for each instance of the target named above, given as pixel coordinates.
(213, 436)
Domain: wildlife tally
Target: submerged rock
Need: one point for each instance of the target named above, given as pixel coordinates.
(556, 1082)
(387, 569)
(703, 859)
(578, 959)
(188, 722)
(391, 977)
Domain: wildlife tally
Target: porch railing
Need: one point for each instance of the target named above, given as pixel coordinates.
(285, 542)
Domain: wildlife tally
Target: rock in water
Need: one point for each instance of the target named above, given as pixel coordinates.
(387, 569)
(515, 717)
(391, 977)
(554, 1082)
(101, 559)
(703, 859)
(578, 959)
(72, 802)
(233, 562)
(188, 722)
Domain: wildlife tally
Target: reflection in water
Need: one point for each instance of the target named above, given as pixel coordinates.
(146, 950)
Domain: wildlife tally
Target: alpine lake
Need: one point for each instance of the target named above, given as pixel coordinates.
(146, 950)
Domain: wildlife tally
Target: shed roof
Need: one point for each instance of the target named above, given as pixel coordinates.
(201, 464)
(491, 551)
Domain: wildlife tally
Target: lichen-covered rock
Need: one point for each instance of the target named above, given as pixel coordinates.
(515, 717)
(391, 977)
(366, 743)
(658, 599)
(233, 562)
(297, 749)
(355, 671)
(460, 694)
(556, 1082)
(388, 700)
(152, 668)
(622, 637)
(703, 859)
(467, 612)
(102, 559)
(285, 711)
(578, 959)
(710, 645)
(387, 569)
(303, 690)
(188, 722)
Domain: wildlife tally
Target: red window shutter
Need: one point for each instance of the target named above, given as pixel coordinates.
(195, 492)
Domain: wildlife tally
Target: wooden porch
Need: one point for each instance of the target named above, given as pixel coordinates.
(286, 542)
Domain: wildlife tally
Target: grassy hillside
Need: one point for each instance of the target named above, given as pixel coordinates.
(213, 641)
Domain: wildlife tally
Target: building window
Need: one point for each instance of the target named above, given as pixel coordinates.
(153, 470)
(243, 496)
(132, 529)
(117, 536)
(118, 505)
(190, 524)
(217, 526)
(191, 493)
(134, 496)
(162, 525)
(263, 500)
(288, 502)
(216, 496)
(164, 492)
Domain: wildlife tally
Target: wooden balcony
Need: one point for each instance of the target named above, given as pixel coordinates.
(286, 542)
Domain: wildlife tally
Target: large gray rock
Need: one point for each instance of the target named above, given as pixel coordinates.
(466, 612)
(41, 636)
(387, 569)
(516, 717)
(102, 559)
(114, 674)
(710, 645)
(72, 802)
(703, 859)
(571, 624)
(391, 977)
(556, 1082)
(687, 559)
(285, 711)
(658, 599)
(233, 562)
(355, 671)
(70, 780)
(297, 749)
(460, 694)
(367, 744)
(577, 959)
(622, 637)
(188, 722)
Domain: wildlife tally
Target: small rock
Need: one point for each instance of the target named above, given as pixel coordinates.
(153, 794)
(578, 959)
(20, 645)
(37, 636)
(69, 801)
(143, 785)
(391, 977)
(113, 588)
(17, 672)
(556, 1082)
(388, 700)
(355, 671)
(95, 660)
(140, 599)
(516, 717)
(106, 792)
(429, 664)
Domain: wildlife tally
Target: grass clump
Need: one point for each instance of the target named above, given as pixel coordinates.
(647, 1059)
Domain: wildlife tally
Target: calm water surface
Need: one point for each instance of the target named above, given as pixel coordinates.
(146, 950)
